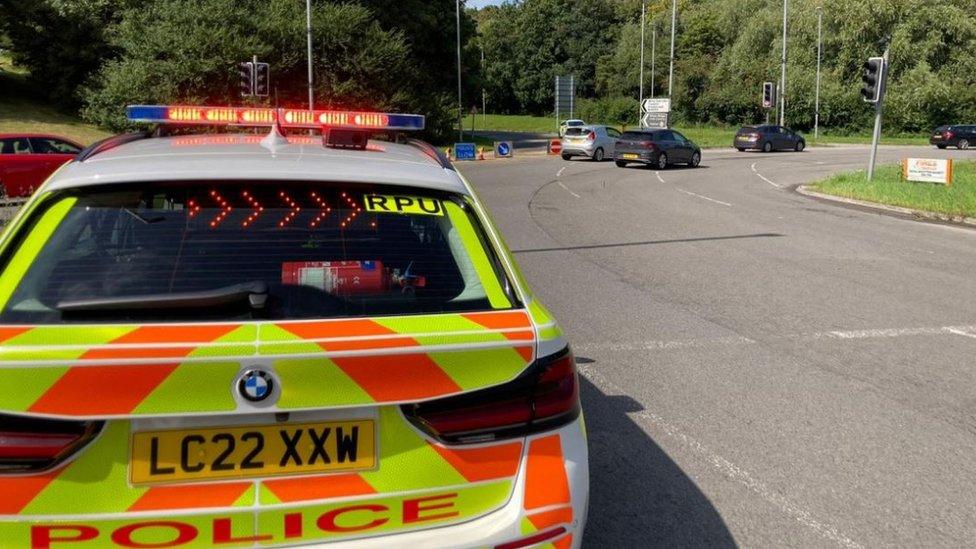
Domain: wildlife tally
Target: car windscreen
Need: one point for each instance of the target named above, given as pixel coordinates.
(637, 136)
(224, 250)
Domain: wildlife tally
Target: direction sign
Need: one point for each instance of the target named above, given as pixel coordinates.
(465, 151)
(565, 95)
(658, 104)
(655, 120)
(504, 149)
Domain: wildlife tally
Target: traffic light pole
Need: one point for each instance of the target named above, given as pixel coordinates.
(877, 116)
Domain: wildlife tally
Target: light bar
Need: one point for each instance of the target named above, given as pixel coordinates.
(260, 116)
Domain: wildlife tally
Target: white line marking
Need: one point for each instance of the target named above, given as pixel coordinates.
(561, 170)
(567, 189)
(726, 467)
(763, 177)
(879, 333)
(963, 333)
(659, 178)
(704, 197)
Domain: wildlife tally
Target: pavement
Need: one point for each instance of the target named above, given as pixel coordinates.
(759, 368)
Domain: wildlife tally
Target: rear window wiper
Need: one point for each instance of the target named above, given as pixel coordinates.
(254, 293)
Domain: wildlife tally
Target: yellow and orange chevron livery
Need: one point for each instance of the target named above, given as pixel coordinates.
(182, 369)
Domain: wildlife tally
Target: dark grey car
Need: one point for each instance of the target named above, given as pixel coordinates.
(768, 138)
(659, 148)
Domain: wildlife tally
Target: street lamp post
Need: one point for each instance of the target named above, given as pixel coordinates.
(653, 54)
(782, 81)
(308, 27)
(641, 85)
(460, 107)
(816, 101)
(674, 19)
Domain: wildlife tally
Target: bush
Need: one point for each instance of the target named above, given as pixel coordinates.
(612, 111)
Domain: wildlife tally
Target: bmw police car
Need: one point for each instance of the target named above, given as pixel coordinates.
(244, 340)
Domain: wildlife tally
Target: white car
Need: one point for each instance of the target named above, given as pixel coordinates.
(224, 339)
(571, 123)
(594, 142)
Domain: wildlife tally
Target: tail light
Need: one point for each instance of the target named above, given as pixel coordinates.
(534, 539)
(545, 396)
(28, 444)
(649, 145)
(591, 136)
(949, 135)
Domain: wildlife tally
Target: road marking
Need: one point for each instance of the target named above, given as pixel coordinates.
(877, 333)
(561, 170)
(704, 197)
(763, 177)
(726, 467)
(659, 178)
(560, 183)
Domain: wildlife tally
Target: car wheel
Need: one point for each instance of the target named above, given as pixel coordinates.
(800, 145)
(963, 144)
(740, 149)
(767, 147)
(662, 161)
(620, 164)
(598, 155)
(941, 146)
(566, 157)
(695, 160)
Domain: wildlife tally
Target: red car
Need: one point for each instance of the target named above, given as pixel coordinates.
(26, 160)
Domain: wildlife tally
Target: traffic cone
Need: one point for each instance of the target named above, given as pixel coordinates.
(447, 153)
(481, 153)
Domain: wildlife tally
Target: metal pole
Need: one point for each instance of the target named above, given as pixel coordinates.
(877, 116)
(674, 19)
(640, 95)
(816, 108)
(308, 26)
(460, 108)
(484, 94)
(653, 54)
(782, 84)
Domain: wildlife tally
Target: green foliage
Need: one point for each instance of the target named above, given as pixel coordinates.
(536, 40)
(612, 111)
(726, 49)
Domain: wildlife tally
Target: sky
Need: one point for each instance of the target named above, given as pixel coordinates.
(482, 3)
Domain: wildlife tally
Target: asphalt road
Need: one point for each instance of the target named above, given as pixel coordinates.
(759, 368)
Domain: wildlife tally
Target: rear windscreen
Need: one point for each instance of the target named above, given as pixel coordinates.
(248, 250)
(637, 136)
(576, 131)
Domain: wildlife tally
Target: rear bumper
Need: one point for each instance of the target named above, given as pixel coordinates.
(550, 491)
(943, 142)
(645, 157)
(744, 144)
(577, 149)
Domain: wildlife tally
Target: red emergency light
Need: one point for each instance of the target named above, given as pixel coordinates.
(262, 116)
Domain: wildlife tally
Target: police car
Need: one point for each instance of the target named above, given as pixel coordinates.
(273, 340)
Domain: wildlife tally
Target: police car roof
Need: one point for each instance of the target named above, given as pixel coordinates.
(243, 157)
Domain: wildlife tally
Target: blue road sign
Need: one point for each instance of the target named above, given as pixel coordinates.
(465, 151)
(503, 149)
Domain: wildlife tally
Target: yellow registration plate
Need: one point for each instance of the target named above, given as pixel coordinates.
(631, 156)
(188, 455)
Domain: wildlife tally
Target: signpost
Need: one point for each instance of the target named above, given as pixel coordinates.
(504, 149)
(465, 151)
(655, 113)
(929, 170)
(565, 97)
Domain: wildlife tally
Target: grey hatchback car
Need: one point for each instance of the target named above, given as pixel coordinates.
(768, 138)
(658, 148)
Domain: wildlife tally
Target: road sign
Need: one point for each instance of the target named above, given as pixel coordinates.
(555, 146)
(504, 149)
(565, 97)
(657, 120)
(656, 105)
(465, 151)
(930, 170)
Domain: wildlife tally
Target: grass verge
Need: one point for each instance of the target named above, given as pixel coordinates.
(22, 111)
(888, 188)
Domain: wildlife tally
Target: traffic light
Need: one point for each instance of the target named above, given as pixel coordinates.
(769, 94)
(246, 72)
(262, 79)
(872, 78)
